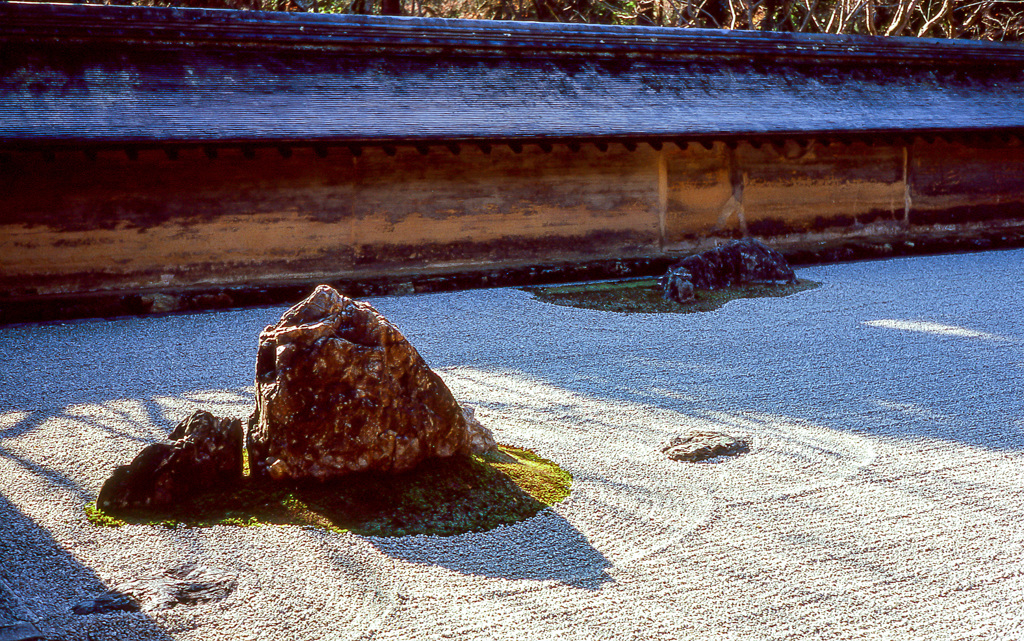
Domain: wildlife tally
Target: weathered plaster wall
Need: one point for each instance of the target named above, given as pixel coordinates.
(953, 183)
(74, 223)
(782, 189)
(107, 221)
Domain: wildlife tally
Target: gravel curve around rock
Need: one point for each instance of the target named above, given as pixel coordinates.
(882, 497)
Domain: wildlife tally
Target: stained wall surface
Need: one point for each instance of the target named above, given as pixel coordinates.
(73, 222)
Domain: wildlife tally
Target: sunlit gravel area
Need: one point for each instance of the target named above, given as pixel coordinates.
(882, 496)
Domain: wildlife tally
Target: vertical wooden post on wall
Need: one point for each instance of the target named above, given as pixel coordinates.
(907, 198)
(734, 205)
(662, 196)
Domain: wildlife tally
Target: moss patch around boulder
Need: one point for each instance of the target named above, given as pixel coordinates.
(439, 497)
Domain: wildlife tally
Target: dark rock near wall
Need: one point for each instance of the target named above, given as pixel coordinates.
(677, 285)
(203, 453)
(735, 263)
(340, 390)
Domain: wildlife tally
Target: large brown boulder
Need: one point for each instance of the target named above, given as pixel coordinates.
(202, 454)
(340, 390)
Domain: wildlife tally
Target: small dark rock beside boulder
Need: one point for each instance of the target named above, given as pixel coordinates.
(736, 263)
(704, 445)
(203, 453)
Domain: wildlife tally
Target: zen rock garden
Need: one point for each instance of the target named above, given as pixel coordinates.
(339, 390)
(693, 473)
(340, 393)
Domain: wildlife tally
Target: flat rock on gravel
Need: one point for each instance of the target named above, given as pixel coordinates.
(881, 498)
(703, 445)
(20, 631)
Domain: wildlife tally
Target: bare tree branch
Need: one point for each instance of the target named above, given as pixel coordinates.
(869, 17)
(980, 9)
(942, 13)
(851, 18)
(903, 16)
(809, 16)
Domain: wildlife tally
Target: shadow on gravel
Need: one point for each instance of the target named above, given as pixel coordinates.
(962, 400)
(864, 380)
(544, 548)
(958, 382)
(95, 361)
(141, 420)
(40, 583)
(25, 424)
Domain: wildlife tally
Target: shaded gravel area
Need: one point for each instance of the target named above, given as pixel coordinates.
(882, 496)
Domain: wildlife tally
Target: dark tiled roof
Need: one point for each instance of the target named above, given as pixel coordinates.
(73, 74)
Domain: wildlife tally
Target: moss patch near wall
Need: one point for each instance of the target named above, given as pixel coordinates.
(644, 296)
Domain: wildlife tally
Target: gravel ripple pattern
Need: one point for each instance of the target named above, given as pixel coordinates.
(882, 497)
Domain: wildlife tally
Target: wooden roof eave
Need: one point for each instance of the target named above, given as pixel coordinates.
(231, 29)
(80, 75)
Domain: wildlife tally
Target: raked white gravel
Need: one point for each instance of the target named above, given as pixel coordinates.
(883, 497)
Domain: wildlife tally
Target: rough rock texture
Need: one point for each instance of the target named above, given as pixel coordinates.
(339, 390)
(703, 445)
(677, 285)
(480, 438)
(185, 585)
(203, 453)
(20, 631)
(735, 263)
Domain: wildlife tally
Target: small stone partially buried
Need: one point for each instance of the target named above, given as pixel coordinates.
(339, 389)
(704, 445)
(202, 454)
(186, 585)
